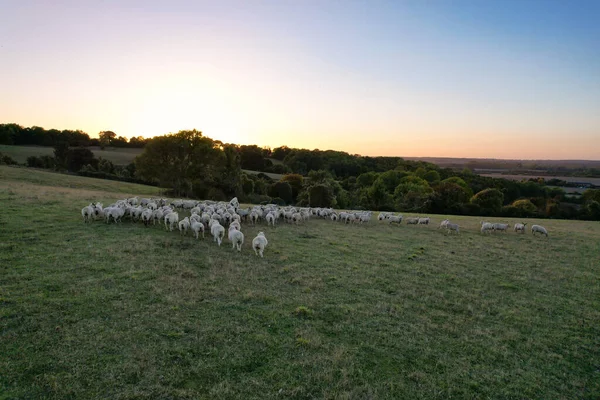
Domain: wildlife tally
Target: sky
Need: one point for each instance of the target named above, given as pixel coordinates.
(478, 78)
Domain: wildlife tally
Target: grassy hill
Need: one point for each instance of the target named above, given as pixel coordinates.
(332, 311)
(118, 156)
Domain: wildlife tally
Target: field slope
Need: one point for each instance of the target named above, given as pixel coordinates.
(332, 311)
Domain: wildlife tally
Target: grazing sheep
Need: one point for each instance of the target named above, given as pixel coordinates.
(197, 227)
(520, 227)
(450, 227)
(236, 237)
(171, 219)
(500, 227)
(259, 243)
(184, 225)
(412, 221)
(217, 231)
(538, 229)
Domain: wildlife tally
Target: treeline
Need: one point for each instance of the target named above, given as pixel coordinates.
(189, 164)
(196, 166)
(14, 134)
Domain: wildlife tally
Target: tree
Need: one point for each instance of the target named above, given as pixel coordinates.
(279, 153)
(283, 190)
(432, 176)
(61, 152)
(78, 157)
(525, 205)
(106, 138)
(366, 179)
(321, 196)
(296, 181)
(449, 198)
(413, 194)
(379, 196)
(186, 162)
(490, 200)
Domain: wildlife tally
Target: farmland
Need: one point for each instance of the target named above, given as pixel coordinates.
(332, 311)
(118, 156)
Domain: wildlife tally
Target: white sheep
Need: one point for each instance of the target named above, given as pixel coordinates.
(236, 237)
(197, 227)
(412, 221)
(394, 219)
(184, 225)
(444, 223)
(520, 227)
(500, 227)
(423, 221)
(171, 219)
(270, 218)
(217, 231)
(450, 227)
(538, 229)
(259, 243)
(87, 212)
(147, 216)
(235, 225)
(486, 227)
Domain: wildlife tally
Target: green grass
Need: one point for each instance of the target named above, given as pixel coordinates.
(332, 311)
(118, 156)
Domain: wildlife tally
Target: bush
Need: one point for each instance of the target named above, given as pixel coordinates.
(490, 200)
(5, 159)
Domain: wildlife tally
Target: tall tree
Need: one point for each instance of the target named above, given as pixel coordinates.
(106, 138)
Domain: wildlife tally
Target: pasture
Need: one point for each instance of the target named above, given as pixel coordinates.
(125, 311)
(118, 156)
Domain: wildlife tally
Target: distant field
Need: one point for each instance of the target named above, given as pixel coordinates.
(593, 181)
(269, 174)
(117, 156)
(332, 311)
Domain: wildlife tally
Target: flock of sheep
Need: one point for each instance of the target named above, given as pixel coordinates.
(215, 216)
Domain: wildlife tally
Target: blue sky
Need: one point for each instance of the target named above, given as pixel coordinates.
(506, 79)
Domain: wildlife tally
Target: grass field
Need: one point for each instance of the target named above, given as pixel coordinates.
(118, 156)
(332, 311)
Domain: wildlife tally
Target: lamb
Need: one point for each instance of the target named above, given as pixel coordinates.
(259, 243)
(196, 228)
(236, 237)
(520, 227)
(171, 219)
(184, 225)
(538, 229)
(450, 227)
(500, 227)
(296, 217)
(217, 231)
